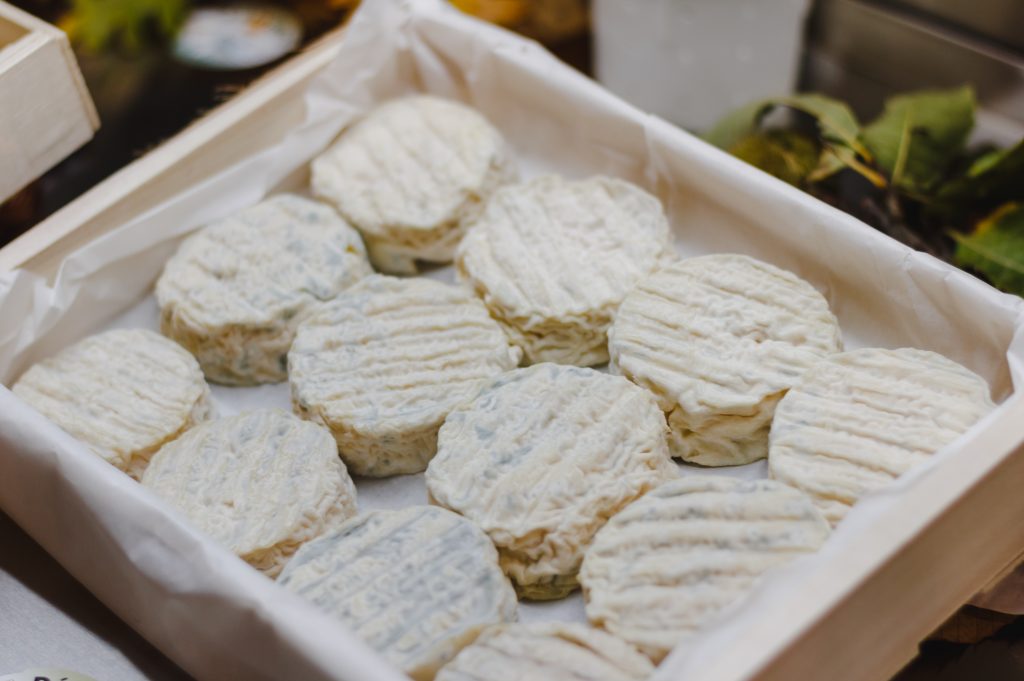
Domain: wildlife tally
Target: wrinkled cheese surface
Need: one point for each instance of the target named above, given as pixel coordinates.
(860, 419)
(236, 290)
(261, 483)
(383, 364)
(541, 459)
(416, 584)
(553, 259)
(719, 339)
(678, 558)
(547, 652)
(123, 393)
(411, 175)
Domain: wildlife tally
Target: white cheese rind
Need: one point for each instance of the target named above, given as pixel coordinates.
(261, 483)
(541, 459)
(411, 176)
(383, 365)
(719, 339)
(553, 259)
(236, 290)
(689, 550)
(417, 584)
(123, 393)
(550, 651)
(860, 419)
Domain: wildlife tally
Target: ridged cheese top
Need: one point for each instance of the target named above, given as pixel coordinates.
(412, 171)
(721, 332)
(261, 483)
(384, 363)
(674, 561)
(547, 652)
(554, 253)
(416, 584)
(541, 459)
(235, 290)
(268, 262)
(721, 336)
(860, 419)
(123, 393)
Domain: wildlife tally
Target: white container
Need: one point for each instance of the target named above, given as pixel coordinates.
(45, 109)
(901, 562)
(693, 61)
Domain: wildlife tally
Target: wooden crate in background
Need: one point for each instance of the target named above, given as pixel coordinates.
(45, 109)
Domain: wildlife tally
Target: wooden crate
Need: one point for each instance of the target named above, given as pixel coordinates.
(45, 109)
(860, 619)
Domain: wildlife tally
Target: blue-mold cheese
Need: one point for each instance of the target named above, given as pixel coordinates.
(550, 651)
(541, 459)
(261, 483)
(417, 584)
(688, 551)
(383, 365)
(553, 259)
(411, 175)
(236, 290)
(719, 339)
(123, 393)
(858, 420)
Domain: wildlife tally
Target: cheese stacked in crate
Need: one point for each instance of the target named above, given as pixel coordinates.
(543, 479)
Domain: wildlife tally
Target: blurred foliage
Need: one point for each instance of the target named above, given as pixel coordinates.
(546, 20)
(98, 25)
(785, 154)
(996, 247)
(909, 172)
(130, 25)
(917, 136)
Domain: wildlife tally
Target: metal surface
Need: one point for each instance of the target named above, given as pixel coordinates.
(997, 20)
(47, 619)
(863, 52)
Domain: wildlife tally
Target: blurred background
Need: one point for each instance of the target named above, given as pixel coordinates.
(956, 67)
(915, 128)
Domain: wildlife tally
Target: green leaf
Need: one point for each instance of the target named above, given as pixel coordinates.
(835, 119)
(995, 178)
(839, 157)
(996, 248)
(987, 162)
(788, 155)
(828, 165)
(738, 124)
(101, 24)
(919, 134)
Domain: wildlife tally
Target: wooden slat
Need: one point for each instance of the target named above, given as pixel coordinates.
(45, 109)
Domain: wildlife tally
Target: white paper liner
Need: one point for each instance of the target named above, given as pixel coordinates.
(217, 617)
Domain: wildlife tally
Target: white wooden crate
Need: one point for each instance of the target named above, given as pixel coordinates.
(861, 616)
(45, 109)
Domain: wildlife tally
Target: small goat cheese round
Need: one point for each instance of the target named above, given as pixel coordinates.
(858, 420)
(553, 259)
(123, 393)
(541, 459)
(261, 483)
(719, 339)
(383, 364)
(549, 651)
(411, 175)
(236, 290)
(678, 558)
(416, 584)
